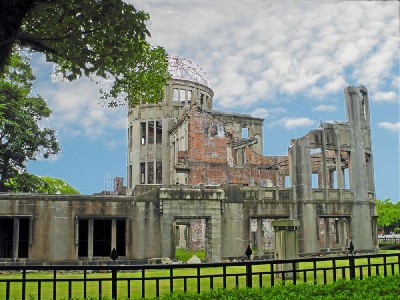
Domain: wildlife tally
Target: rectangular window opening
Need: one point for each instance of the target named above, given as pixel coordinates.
(158, 132)
(130, 176)
(151, 132)
(182, 96)
(142, 173)
(175, 96)
(245, 132)
(346, 178)
(315, 178)
(332, 180)
(143, 133)
(189, 96)
(287, 181)
(150, 172)
(159, 172)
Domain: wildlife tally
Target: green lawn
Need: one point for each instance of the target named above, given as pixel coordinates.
(184, 254)
(136, 285)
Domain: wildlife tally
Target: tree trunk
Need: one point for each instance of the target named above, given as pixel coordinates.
(12, 14)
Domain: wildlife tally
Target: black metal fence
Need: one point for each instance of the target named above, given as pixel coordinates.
(388, 240)
(135, 281)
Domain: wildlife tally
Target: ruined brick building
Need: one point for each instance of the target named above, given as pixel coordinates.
(188, 164)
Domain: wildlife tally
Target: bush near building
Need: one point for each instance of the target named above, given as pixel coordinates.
(370, 288)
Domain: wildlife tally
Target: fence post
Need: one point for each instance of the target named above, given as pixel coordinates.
(249, 275)
(114, 283)
(352, 267)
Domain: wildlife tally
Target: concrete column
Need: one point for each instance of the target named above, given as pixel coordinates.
(338, 164)
(286, 243)
(357, 116)
(323, 162)
(168, 237)
(15, 239)
(213, 228)
(342, 233)
(260, 238)
(113, 234)
(304, 210)
(327, 234)
(90, 239)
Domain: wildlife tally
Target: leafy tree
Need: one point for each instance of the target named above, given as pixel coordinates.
(22, 138)
(96, 38)
(388, 213)
(59, 186)
(29, 183)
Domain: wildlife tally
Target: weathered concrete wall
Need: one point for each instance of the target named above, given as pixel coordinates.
(152, 213)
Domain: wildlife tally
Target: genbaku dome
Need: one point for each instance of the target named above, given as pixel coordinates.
(197, 178)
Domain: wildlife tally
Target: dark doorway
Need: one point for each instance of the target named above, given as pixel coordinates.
(23, 243)
(101, 237)
(121, 237)
(6, 237)
(83, 237)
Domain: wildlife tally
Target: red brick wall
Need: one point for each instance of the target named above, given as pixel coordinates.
(207, 158)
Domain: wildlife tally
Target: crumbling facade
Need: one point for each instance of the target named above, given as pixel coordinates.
(188, 164)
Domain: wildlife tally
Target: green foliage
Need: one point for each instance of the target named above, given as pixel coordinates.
(59, 186)
(22, 137)
(388, 212)
(369, 288)
(99, 39)
(25, 183)
(396, 231)
(29, 183)
(389, 246)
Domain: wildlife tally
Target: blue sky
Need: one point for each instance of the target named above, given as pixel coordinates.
(286, 61)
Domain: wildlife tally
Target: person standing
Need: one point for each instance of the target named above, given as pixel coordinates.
(248, 252)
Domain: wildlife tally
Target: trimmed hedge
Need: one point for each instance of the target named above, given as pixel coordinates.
(386, 288)
(389, 246)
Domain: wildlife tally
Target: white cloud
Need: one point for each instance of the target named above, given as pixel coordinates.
(76, 109)
(326, 108)
(385, 97)
(259, 51)
(390, 126)
(262, 112)
(291, 123)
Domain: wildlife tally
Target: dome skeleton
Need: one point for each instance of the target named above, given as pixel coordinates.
(186, 69)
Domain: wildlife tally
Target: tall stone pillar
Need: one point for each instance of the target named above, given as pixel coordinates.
(260, 238)
(168, 237)
(360, 167)
(90, 239)
(342, 233)
(213, 227)
(286, 243)
(305, 210)
(15, 239)
(327, 235)
(113, 234)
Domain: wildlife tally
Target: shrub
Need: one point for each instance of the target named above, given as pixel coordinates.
(370, 288)
(396, 231)
(389, 246)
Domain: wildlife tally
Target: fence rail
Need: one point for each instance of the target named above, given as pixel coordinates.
(61, 281)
